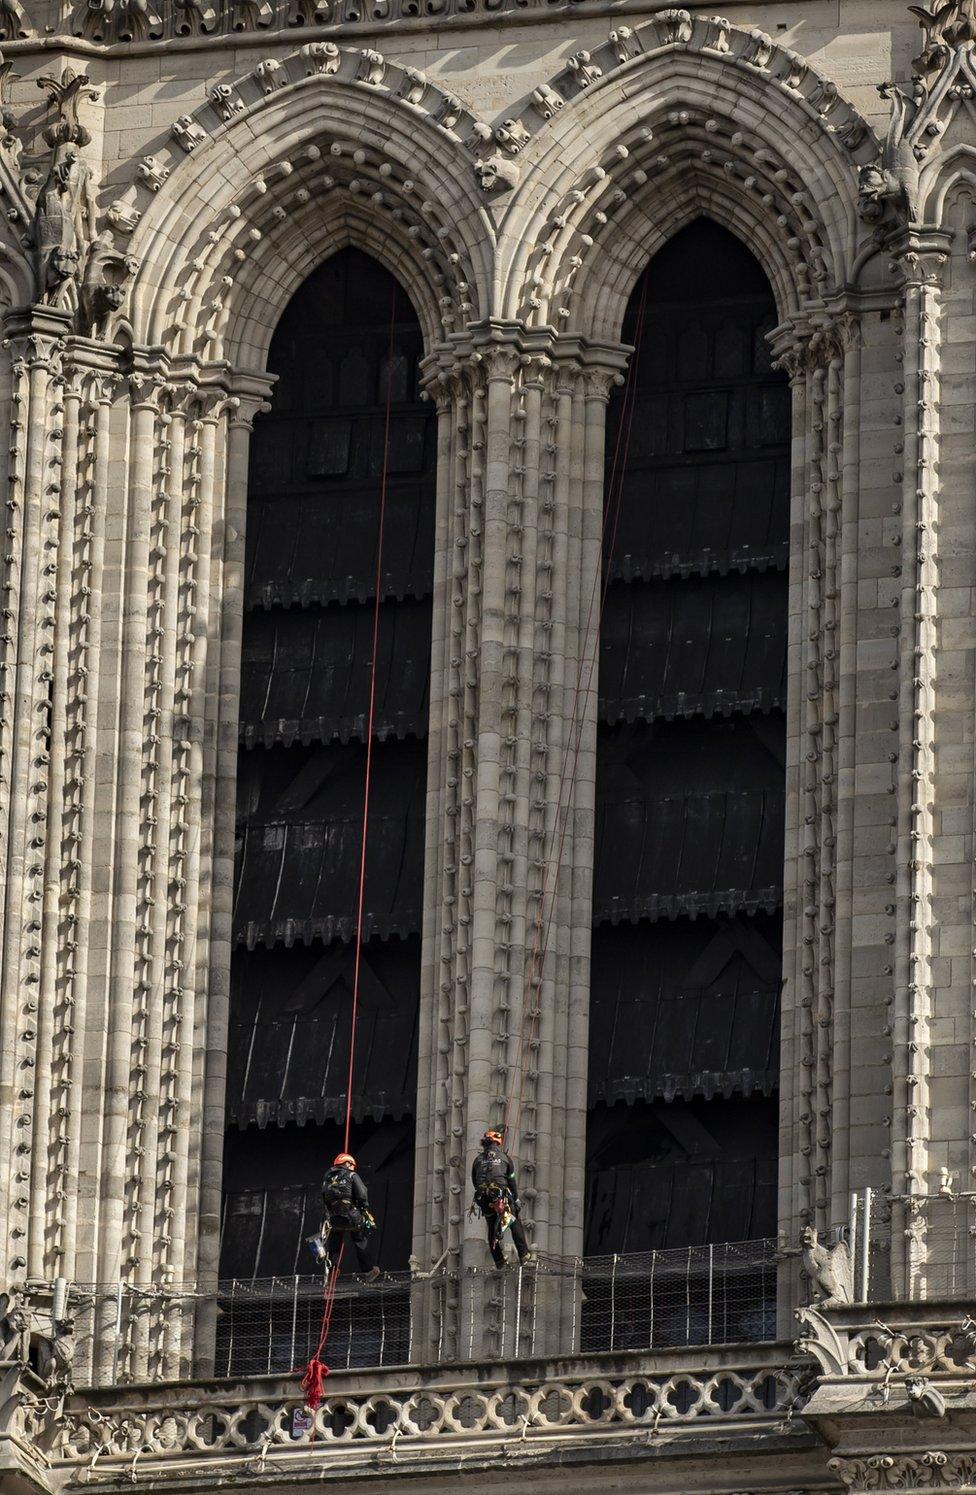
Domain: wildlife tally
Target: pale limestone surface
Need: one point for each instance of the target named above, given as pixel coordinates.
(227, 164)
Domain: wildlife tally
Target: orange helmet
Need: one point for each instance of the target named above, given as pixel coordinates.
(344, 1158)
(492, 1136)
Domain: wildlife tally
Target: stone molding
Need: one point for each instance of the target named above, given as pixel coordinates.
(931, 1470)
(877, 1343)
(434, 1415)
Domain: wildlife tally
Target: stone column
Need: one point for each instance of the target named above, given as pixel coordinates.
(29, 657)
(504, 1008)
(216, 676)
(124, 586)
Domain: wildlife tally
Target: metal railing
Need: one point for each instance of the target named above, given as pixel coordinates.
(699, 1296)
(703, 1295)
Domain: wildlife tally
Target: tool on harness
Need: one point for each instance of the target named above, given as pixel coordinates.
(316, 1245)
(495, 1200)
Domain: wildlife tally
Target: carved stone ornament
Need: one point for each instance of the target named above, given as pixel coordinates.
(546, 101)
(512, 135)
(676, 26)
(945, 27)
(497, 173)
(820, 1340)
(65, 214)
(584, 69)
(931, 1470)
(829, 1270)
(321, 57)
(107, 270)
(888, 187)
(35, 1376)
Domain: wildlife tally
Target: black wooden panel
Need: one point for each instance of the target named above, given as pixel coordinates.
(692, 520)
(306, 673)
(288, 1041)
(695, 647)
(704, 468)
(301, 839)
(662, 1176)
(316, 548)
(690, 765)
(690, 818)
(317, 457)
(686, 1008)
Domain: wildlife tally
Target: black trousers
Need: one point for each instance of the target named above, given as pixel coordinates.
(495, 1238)
(358, 1239)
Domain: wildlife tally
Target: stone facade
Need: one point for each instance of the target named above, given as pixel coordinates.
(171, 172)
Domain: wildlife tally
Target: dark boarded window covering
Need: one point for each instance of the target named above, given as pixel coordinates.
(316, 467)
(687, 894)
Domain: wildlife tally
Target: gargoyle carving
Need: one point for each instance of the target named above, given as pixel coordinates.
(945, 27)
(64, 215)
(497, 173)
(888, 187)
(829, 1270)
(35, 1371)
(103, 286)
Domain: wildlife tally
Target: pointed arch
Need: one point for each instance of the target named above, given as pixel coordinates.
(680, 117)
(278, 171)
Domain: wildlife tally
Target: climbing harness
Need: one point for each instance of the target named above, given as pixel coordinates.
(313, 1381)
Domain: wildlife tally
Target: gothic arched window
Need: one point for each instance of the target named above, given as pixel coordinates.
(687, 939)
(316, 471)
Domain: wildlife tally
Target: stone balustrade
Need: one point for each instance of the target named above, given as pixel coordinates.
(229, 1429)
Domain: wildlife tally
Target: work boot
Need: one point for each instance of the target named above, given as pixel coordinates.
(372, 1274)
(528, 1260)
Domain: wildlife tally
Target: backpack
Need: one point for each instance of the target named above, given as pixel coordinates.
(337, 1196)
(489, 1168)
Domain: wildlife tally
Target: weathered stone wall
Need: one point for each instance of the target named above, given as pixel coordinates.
(515, 168)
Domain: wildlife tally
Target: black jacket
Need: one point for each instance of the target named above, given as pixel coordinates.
(344, 1195)
(493, 1166)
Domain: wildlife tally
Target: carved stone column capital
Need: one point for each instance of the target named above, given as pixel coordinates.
(932, 1469)
(921, 255)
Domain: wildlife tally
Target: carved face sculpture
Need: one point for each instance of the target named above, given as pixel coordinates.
(809, 1236)
(874, 188)
(496, 173)
(64, 170)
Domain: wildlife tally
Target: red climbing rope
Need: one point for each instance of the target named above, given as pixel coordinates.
(313, 1381)
(377, 591)
(542, 923)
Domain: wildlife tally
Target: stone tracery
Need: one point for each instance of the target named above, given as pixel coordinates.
(519, 241)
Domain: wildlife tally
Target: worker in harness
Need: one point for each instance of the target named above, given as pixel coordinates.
(496, 1196)
(347, 1216)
